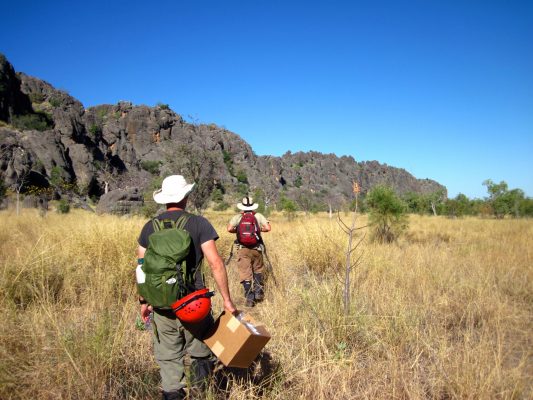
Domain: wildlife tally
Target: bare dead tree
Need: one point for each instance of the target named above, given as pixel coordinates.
(349, 265)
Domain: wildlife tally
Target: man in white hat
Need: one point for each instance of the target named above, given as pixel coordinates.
(248, 226)
(171, 337)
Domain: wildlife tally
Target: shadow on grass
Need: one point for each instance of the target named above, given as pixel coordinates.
(263, 375)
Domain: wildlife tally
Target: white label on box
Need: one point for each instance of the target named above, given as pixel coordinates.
(233, 324)
(217, 348)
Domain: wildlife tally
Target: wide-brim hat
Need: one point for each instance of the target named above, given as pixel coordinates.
(173, 190)
(247, 204)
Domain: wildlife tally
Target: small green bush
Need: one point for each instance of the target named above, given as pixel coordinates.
(56, 176)
(55, 102)
(102, 113)
(63, 207)
(37, 98)
(95, 129)
(387, 214)
(228, 161)
(38, 121)
(151, 166)
(241, 176)
(163, 106)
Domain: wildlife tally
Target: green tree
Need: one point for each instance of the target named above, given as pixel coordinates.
(504, 201)
(416, 203)
(387, 214)
(228, 161)
(526, 207)
(56, 176)
(298, 181)
(242, 177)
(458, 206)
(288, 207)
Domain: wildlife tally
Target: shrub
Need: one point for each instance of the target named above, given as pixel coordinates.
(63, 207)
(242, 189)
(228, 161)
(38, 121)
(163, 106)
(151, 166)
(289, 208)
(217, 195)
(241, 177)
(102, 113)
(95, 129)
(56, 176)
(387, 214)
(55, 102)
(36, 98)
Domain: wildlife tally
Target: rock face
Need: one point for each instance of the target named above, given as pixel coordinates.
(120, 202)
(115, 152)
(12, 100)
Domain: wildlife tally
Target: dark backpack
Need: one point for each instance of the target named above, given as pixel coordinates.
(167, 275)
(248, 232)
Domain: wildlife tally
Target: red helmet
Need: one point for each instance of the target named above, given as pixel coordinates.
(194, 307)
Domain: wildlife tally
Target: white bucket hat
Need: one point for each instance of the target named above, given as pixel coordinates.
(173, 190)
(247, 204)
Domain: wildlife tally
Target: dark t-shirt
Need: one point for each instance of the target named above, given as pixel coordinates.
(200, 230)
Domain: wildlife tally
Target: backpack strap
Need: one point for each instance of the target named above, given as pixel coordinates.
(182, 220)
(168, 223)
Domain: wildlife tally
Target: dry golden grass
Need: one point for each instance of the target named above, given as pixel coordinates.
(446, 313)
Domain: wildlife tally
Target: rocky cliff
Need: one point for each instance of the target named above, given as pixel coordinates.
(48, 139)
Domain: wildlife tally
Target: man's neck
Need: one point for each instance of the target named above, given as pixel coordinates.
(174, 209)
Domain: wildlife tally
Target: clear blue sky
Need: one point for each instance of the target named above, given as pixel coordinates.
(443, 89)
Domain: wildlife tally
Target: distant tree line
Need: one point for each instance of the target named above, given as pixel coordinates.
(501, 202)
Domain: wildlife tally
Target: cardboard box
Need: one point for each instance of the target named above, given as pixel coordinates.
(235, 342)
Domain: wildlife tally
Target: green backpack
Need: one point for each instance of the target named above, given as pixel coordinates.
(167, 276)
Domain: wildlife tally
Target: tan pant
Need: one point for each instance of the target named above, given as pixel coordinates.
(249, 261)
(175, 339)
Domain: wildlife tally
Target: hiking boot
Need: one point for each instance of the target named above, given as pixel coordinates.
(259, 293)
(248, 294)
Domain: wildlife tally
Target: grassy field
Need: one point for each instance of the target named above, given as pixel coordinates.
(445, 313)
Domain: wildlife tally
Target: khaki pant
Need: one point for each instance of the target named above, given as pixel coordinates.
(249, 261)
(174, 340)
